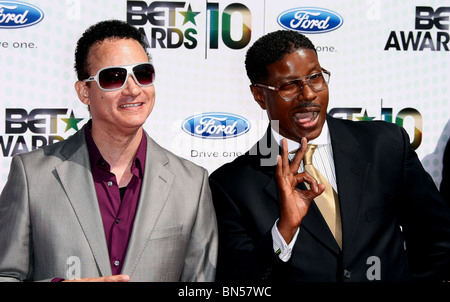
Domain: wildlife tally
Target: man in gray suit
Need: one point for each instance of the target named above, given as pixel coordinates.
(109, 203)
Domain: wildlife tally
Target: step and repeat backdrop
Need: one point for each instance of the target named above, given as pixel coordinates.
(389, 60)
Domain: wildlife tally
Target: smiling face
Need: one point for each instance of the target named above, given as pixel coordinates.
(303, 116)
(123, 110)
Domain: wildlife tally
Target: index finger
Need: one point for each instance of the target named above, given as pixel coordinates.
(284, 156)
(295, 164)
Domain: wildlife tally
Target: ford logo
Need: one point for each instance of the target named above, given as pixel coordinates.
(19, 14)
(216, 125)
(310, 20)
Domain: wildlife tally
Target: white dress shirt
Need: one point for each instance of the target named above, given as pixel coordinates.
(322, 161)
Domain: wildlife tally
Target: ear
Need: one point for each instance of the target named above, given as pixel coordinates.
(82, 92)
(259, 96)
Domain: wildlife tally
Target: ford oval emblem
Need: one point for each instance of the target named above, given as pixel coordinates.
(310, 20)
(19, 14)
(215, 125)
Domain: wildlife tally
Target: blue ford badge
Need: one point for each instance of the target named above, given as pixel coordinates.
(310, 20)
(19, 14)
(216, 125)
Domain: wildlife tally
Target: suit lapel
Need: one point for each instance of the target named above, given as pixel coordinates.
(351, 171)
(76, 179)
(156, 186)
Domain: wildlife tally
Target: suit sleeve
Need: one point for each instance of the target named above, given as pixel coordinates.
(15, 229)
(243, 255)
(425, 218)
(201, 258)
(445, 183)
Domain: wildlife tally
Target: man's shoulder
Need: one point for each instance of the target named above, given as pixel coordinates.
(366, 129)
(176, 160)
(248, 166)
(53, 150)
(374, 124)
(235, 166)
(175, 163)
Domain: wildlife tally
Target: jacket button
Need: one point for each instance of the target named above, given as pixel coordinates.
(347, 274)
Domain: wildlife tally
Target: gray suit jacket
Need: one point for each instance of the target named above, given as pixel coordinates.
(51, 226)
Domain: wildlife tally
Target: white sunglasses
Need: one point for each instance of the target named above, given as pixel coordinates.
(114, 77)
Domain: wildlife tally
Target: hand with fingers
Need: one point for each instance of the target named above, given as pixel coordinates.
(294, 203)
(115, 278)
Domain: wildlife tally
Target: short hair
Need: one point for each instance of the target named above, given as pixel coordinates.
(271, 48)
(99, 32)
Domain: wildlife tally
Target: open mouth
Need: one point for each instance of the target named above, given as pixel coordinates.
(306, 119)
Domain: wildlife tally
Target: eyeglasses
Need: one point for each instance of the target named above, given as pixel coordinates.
(114, 77)
(290, 90)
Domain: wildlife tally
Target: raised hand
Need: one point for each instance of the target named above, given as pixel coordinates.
(114, 278)
(294, 203)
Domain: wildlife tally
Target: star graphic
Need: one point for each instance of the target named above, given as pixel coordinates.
(189, 15)
(71, 122)
(365, 117)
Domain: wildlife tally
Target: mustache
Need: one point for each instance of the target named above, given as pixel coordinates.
(307, 105)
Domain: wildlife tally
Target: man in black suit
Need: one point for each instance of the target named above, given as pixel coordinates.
(390, 222)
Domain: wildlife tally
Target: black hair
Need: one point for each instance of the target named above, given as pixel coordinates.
(271, 48)
(97, 33)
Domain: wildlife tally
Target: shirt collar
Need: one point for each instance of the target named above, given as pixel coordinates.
(322, 139)
(97, 159)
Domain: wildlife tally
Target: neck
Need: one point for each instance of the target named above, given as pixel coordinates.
(118, 150)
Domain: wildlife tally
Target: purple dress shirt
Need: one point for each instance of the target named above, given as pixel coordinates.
(117, 212)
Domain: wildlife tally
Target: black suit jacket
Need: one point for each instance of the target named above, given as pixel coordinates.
(445, 183)
(387, 202)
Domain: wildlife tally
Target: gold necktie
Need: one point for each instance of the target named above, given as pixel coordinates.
(327, 202)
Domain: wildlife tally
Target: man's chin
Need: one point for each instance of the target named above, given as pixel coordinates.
(309, 133)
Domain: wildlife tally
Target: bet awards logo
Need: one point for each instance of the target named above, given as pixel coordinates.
(386, 114)
(26, 131)
(422, 38)
(173, 24)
